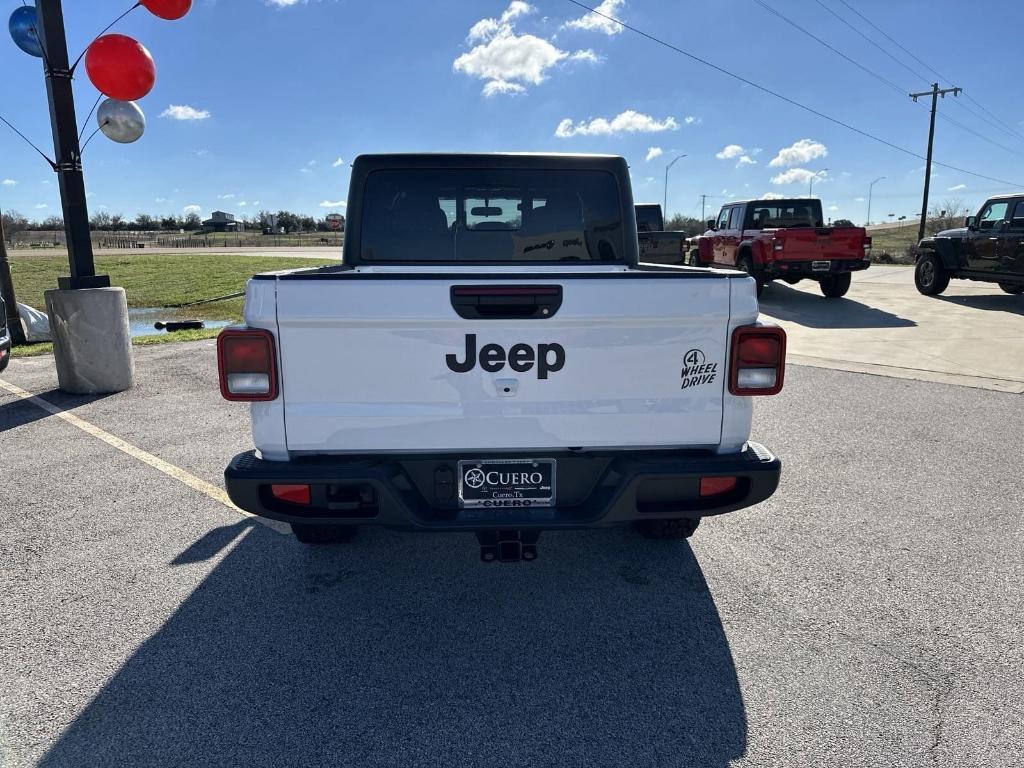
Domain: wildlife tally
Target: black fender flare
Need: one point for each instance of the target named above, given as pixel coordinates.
(947, 249)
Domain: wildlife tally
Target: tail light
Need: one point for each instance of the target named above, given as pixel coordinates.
(867, 245)
(247, 364)
(716, 486)
(758, 361)
(778, 245)
(293, 494)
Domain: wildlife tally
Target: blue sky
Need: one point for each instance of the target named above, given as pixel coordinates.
(279, 91)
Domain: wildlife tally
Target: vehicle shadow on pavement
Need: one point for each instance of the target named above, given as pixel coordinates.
(994, 303)
(405, 650)
(18, 412)
(815, 311)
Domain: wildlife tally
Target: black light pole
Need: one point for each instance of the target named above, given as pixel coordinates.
(66, 148)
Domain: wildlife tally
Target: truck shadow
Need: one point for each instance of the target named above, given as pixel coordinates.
(405, 650)
(1002, 302)
(815, 311)
(17, 412)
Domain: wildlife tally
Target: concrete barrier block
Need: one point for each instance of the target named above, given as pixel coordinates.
(92, 343)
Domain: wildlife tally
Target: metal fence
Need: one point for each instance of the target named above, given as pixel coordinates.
(166, 241)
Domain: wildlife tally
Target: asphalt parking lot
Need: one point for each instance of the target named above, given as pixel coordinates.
(869, 614)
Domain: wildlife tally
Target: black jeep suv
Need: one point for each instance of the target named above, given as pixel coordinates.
(990, 247)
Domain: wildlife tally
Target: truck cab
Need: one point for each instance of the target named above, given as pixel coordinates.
(988, 248)
(656, 245)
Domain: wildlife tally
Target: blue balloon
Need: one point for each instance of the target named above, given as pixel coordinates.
(24, 26)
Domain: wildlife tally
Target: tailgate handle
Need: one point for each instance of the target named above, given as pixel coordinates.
(506, 302)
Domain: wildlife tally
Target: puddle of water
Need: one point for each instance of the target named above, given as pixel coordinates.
(141, 319)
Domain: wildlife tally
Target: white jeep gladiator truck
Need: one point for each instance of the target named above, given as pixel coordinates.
(491, 357)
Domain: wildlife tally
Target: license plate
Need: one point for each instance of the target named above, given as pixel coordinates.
(496, 483)
(821, 266)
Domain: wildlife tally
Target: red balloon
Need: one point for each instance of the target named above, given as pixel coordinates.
(120, 67)
(168, 9)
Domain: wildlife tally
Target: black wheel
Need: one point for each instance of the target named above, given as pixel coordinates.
(746, 265)
(694, 260)
(930, 277)
(1013, 288)
(309, 533)
(679, 528)
(836, 286)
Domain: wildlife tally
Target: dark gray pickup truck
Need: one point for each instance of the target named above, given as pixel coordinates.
(656, 245)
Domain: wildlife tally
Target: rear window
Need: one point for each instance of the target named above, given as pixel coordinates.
(778, 214)
(491, 215)
(648, 218)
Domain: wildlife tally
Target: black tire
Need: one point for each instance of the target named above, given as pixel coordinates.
(744, 264)
(1012, 288)
(930, 276)
(668, 530)
(835, 287)
(310, 533)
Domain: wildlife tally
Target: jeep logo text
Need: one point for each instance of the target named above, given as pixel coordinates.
(520, 358)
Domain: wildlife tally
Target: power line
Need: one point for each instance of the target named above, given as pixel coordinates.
(786, 99)
(836, 51)
(1002, 126)
(981, 136)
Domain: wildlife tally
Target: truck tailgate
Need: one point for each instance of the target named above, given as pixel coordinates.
(807, 244)
(374, 365)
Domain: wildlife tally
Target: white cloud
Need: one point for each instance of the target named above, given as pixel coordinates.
(495, 87)
(509, 61)
(833, 208)
(802, 151)
(338, 163)
(283, 3)
(8, 182)
(242, 203)
(597, 23)
(333, 204)
(739, 154)
(858, 199)
(192, 208)
(185, 112)
(653, 152)
(956, 188)
(772, 196)
(629, 121)
(799, 176)
(690, 120)
(41, 206)
(255, 202)
(162, 200)
(228, 196)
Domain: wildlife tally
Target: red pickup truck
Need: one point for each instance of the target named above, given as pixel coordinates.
(784, 240)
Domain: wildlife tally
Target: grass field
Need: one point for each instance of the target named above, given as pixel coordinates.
(156, 280)
(894, 242)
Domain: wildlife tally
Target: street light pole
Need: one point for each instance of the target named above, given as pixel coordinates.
(68, 154)
(664, 207)
(810, 189)
(871, 188)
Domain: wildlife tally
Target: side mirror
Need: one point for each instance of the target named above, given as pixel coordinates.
(969, 222)
(711, 224)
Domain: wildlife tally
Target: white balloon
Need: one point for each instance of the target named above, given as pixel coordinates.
(121, 121)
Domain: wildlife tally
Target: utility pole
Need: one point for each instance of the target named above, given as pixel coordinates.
(935, 92)
(68, 154)
(14, 325)
(871, 188)
(703, 198)
(664, 207)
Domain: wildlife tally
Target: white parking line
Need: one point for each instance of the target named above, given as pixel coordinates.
(179, 474)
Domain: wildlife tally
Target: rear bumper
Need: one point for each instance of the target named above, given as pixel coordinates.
(419, 492)
(804, 269)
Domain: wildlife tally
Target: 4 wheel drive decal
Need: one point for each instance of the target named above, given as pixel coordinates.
(696, 370)
(521, 358)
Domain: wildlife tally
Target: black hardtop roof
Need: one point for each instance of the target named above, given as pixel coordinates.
(458, 160)
(794, 199)
(1007, 196)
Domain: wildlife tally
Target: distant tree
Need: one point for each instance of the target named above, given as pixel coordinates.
(288, 221)
(170, 222)
(100, 220)
(843, 223)
(948, 214)
(52, 223)
(13, 223)
(307, 224)
(117, 221)
(145, 223)
(687, 224)
(191, 222)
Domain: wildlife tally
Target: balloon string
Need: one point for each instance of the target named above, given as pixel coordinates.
(79, 59)
(85, 123)
(25, 139)
(82, 150)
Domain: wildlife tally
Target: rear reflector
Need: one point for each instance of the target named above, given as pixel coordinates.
(758, 362)
(714, 486)
(293, 494)
(247, 364)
